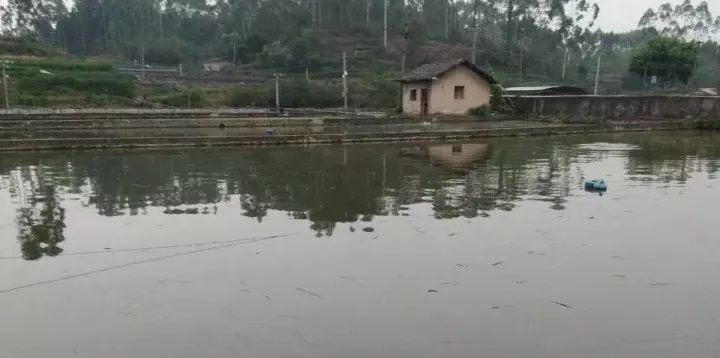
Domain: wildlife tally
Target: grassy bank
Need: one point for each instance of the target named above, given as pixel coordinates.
(294, 93)
(48, 82)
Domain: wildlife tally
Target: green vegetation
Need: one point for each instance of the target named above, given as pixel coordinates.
(670, 59)
(59, 82)
(497, 105)
(522, 42)
(479, 111)
(712, 123)
(187, 98)
(299, 93)
(25, 46)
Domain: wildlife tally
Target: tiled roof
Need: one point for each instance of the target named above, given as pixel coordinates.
(435, 69)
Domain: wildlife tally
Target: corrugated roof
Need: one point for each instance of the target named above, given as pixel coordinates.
(546, 89)
(435, 69)
(708, 91)
(531, 88)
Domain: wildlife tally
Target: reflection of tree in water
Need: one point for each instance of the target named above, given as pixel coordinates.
(41, 225)
(331, 185)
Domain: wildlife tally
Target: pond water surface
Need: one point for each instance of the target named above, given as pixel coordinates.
(475, 249)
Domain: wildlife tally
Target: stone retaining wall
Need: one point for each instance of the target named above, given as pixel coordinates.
(593, 108)
(189, 141)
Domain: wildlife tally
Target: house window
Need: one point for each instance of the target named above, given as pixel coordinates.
(459, 92)
(413, 95)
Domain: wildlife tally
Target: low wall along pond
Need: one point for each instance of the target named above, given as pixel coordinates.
(616, 107)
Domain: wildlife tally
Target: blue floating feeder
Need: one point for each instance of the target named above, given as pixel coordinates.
(596, 184)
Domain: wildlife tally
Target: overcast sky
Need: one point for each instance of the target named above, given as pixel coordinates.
(618, 15)
(623, 15)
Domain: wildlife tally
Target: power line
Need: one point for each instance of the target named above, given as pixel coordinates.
(111, 268)
(147, 248)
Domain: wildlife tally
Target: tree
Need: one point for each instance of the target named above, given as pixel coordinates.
(670, 59)
(683, 20)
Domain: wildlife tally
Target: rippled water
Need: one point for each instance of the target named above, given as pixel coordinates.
(477, 249)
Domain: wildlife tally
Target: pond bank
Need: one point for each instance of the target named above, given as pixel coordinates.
(271, 139)
(159, 113)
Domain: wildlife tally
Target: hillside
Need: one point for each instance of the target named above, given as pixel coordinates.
(523, 42)
(39, 75)
(310, 70)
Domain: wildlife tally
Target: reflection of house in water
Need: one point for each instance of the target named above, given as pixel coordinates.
(457, 157)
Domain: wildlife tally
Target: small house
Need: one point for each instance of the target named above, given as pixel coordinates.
(446, 87)
(216, 64)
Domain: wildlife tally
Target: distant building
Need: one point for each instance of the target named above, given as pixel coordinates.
(216, 64)
(708, 91)
(544, 91)
(447, 87)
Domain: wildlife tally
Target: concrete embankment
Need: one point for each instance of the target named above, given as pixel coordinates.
(165, 113)
(17, 144)
(201, 130)
(247, 122)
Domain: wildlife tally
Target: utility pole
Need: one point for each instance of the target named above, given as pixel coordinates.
(368, 4)
(307, 74)
(597, 73)
(142, 46)
(313, 10)
(142, 59)
(405, 47)
(447, 15)
(345, 89)
(277, 92)
(160, 12)
(385, 24)
(402, 64)
(4, 64)
(474, 25)
(565, 52)
(234, 51)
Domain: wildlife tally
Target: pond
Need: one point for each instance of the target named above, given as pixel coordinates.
(468, 249)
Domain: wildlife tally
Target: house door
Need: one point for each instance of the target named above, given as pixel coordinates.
(424, 101)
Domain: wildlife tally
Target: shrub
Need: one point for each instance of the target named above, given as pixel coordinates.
(95, 83)
(712, 123)
(252, 96)
(25, 46)
(296, 94)
(64, 65)
(498, 104)
(479, 111)
(181, 100)
(32, 101)
(381, 93)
